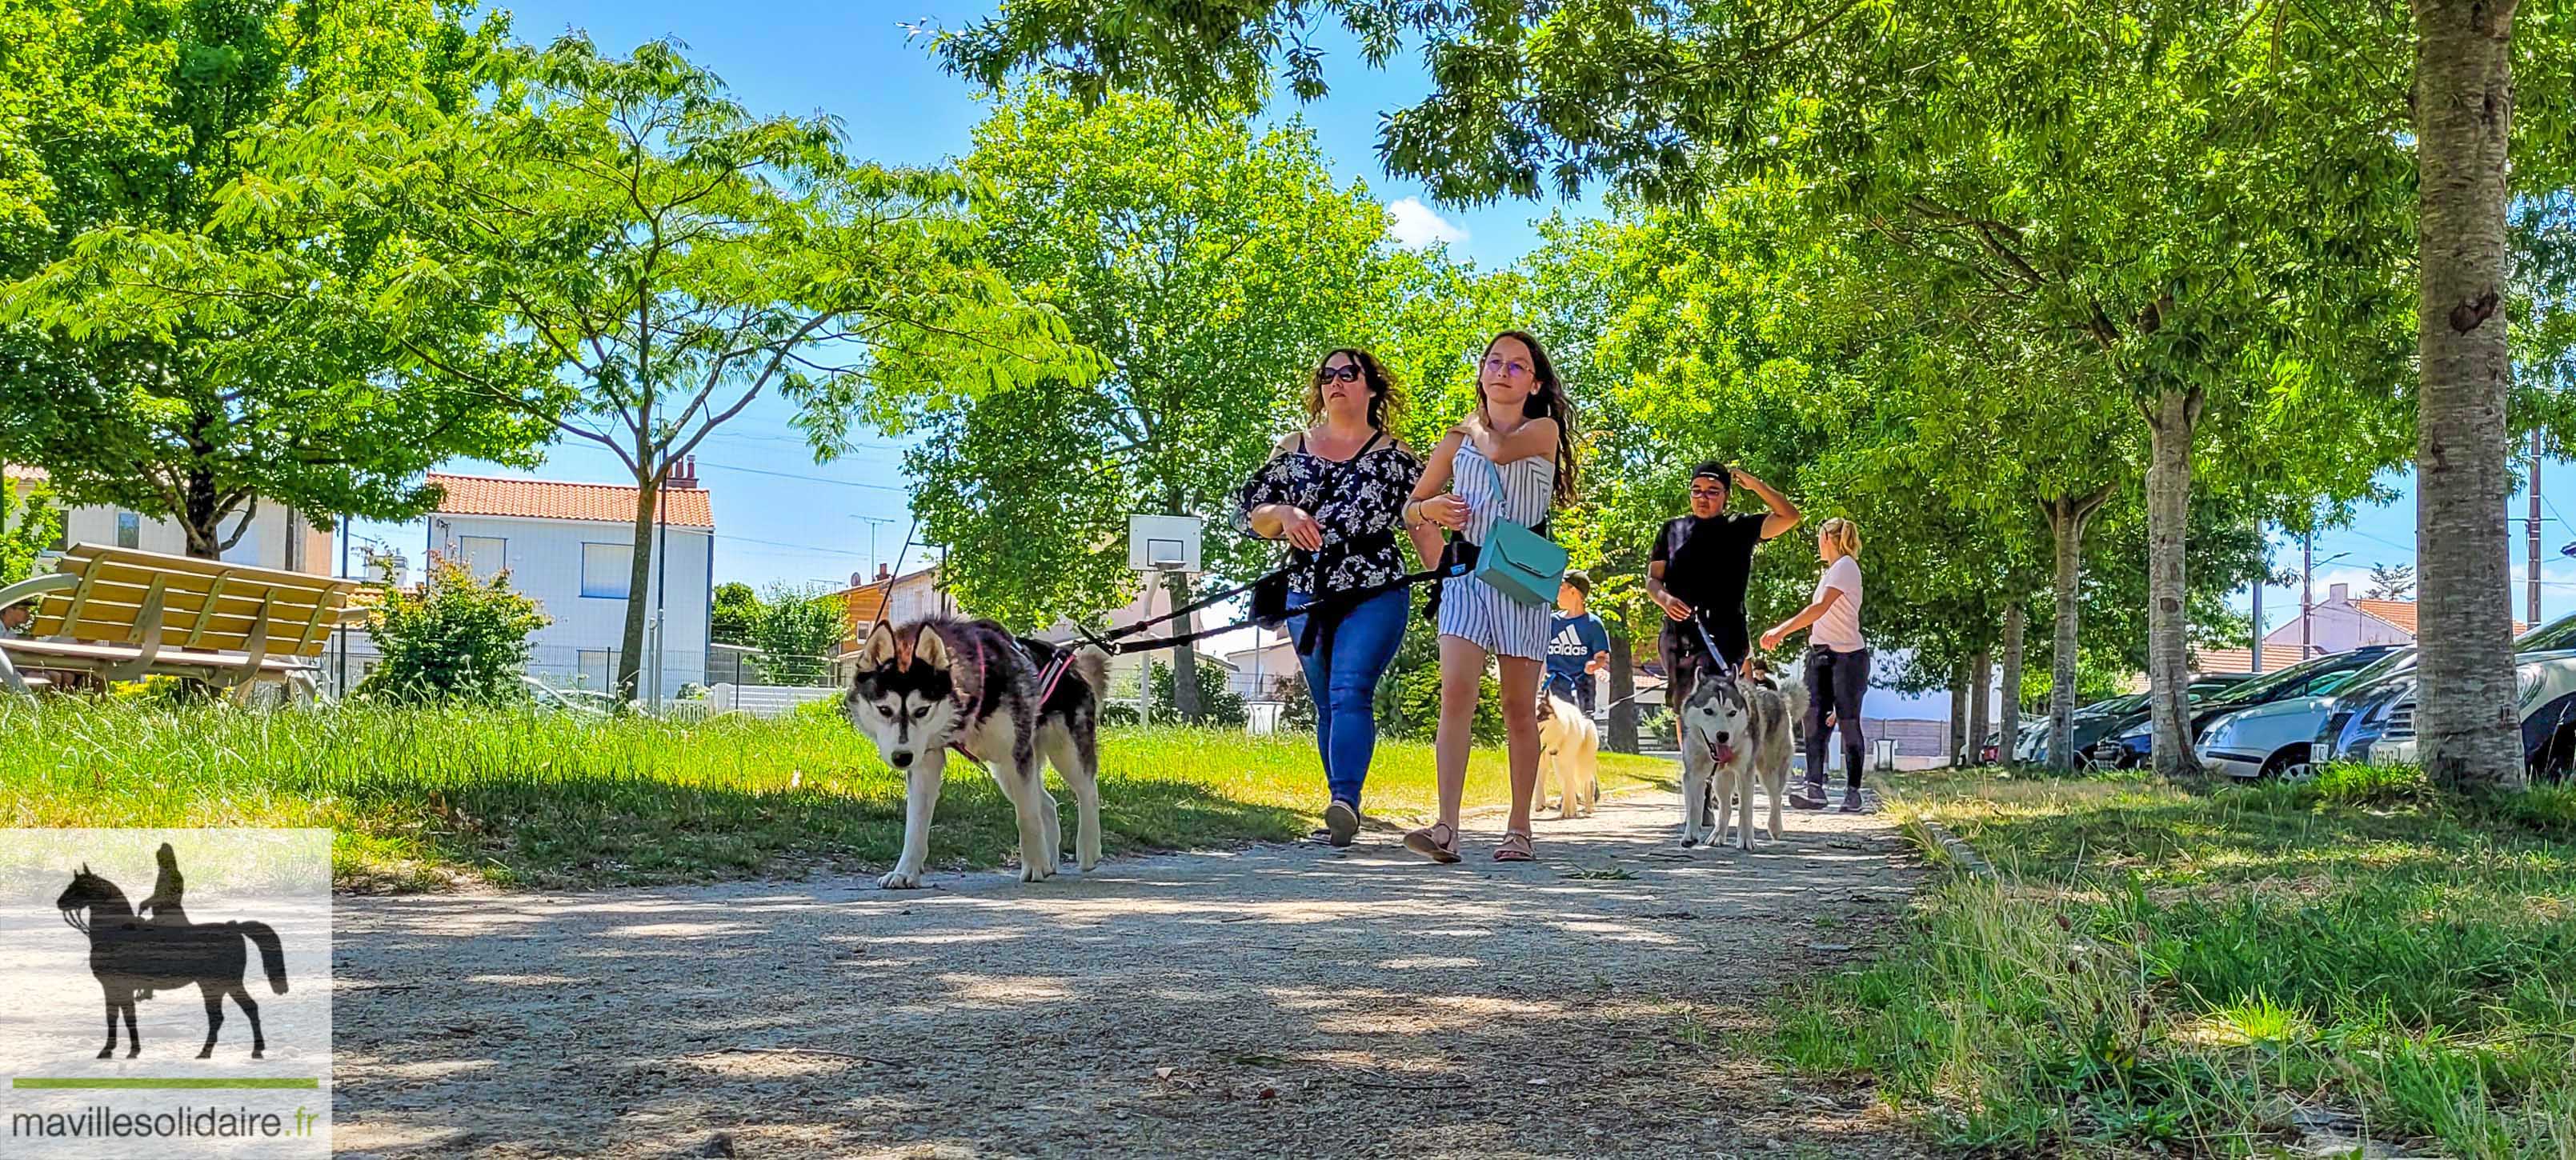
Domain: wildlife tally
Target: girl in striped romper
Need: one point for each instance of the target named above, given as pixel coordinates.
(1514, 460)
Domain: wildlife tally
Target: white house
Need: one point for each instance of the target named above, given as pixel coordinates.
(570, 547)
(278, 537)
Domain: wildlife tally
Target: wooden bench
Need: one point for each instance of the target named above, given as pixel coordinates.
(123, 614)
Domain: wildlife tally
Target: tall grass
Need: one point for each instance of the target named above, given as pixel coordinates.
(427, 797)
(2220, 973)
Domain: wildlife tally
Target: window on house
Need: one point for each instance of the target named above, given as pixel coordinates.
(605, 570)
(129, 530)
(484, 556)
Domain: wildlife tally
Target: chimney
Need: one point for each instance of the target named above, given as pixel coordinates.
(2339, 594)
(885, 572)
(684, 474)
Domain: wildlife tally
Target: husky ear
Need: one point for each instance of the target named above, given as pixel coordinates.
(879, 651)
(931, 648)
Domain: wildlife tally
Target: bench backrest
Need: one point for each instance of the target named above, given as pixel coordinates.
(206, 605)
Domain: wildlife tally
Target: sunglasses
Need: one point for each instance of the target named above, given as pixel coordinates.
(1708, 493)
(1347, 372)
(1510, 368)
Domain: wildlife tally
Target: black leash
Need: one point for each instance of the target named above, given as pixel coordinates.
(1110, 643)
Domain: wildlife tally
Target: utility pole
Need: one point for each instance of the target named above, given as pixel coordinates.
(2258, 594)
(2531, 569)
(2307, 587)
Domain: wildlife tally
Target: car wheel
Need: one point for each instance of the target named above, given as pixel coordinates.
(2289, 765)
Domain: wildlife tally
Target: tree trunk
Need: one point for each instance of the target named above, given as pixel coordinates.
(1981, 673)
(2170, 423)
(1958, 712)
(639, 584)
(1185, 658)
(2468, 727)
(2066, 518)
(2009, 711)
(1623, 687)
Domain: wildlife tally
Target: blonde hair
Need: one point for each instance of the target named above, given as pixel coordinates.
(1841, 533)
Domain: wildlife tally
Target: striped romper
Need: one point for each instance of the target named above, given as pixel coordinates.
(1469, 610)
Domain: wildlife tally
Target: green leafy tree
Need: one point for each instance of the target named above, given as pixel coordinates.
(736, 609)
(182, 337)
(1210, 267)
(668, 257)
(459, 638)
(797, 629)
(2210, 202)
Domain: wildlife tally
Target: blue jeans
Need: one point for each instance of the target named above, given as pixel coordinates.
(1346, 695)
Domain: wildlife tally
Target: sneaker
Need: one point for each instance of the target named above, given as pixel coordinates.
(1808, 797)
(1851, 802)
(1341, 823)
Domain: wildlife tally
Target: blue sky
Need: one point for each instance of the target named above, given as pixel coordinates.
(781, 517)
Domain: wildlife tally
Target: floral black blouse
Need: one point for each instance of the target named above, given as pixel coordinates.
(1361, 513)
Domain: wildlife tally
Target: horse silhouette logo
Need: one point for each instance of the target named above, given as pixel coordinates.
(133, 956)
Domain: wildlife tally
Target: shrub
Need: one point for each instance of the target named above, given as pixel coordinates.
(28, 525)
(796, 630)
(458, 639)
(737, 608)
(1297, 703)
(1218, 705)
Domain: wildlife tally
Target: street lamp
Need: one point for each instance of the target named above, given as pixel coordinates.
(2307, 587)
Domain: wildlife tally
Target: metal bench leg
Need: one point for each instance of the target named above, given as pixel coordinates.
(32, 586)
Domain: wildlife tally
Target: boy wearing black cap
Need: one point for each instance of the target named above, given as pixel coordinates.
(1698, 571)
(1577, 645)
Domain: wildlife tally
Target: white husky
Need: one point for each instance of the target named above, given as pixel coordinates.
(1569, 742)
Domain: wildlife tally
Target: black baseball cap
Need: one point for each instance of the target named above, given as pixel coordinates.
(1713, 469)
(1581, 580)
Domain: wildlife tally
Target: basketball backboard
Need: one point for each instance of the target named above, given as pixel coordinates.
(1163, 543)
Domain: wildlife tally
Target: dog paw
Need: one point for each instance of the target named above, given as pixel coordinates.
(901, 880)
(1689, 841)
(1036, 872)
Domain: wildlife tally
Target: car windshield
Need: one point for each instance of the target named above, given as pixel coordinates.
(2370, 674)
(2256, 690)
(2128, 704)
(2557, 634)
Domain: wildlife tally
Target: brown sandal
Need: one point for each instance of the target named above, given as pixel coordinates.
(1424, 843)
(1515, 847)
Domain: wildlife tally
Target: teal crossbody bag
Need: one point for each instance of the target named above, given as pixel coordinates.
(1523, 565)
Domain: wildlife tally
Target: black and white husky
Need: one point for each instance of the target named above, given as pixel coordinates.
(925, 688)
(1732, 731)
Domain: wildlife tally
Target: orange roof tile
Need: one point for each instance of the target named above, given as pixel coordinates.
(2397, 612)
(22, 471)
(2237, 660)
(546, 499)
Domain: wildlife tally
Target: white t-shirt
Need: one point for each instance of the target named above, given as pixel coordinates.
(1839, 628)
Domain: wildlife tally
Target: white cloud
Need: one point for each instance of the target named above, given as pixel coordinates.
(1414, 225)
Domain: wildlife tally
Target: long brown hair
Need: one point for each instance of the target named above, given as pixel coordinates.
(1386, 399)
(1548, 401)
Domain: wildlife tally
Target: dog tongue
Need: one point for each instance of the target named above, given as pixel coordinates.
(1725, 753)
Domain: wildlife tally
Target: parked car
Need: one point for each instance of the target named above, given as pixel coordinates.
(2379, 724)
(2278, 739)
(2088, 722)
(2131, 745)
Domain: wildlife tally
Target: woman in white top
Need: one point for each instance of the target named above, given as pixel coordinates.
(1514, 460)
(1837, 663)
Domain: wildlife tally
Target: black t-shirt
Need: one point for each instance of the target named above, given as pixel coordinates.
(1708, 562)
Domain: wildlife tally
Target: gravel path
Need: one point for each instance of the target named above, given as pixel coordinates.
(1275, 1001)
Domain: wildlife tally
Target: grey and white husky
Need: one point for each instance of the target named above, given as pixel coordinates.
(1732, 729)
(925, 688)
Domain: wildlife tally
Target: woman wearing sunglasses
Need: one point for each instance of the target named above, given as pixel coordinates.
(1512, 460)
(1333, 492)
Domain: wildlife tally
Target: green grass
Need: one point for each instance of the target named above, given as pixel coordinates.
(427, 798)
(2157, 970)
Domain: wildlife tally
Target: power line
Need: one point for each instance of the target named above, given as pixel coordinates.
(806, 478)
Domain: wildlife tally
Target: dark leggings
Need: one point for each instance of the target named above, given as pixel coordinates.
(1835, 681)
